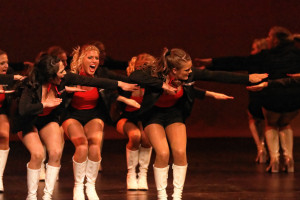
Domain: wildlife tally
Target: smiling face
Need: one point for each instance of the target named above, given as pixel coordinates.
(3, 63)
(183, 72)
(90, 62)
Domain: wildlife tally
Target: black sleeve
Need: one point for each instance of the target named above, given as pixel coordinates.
(199, 93)
(6, 78)
(144, 79)
(113, 64)
(106, 73)
(284, 82)
(26, 107)
(75, 79)
(19, 66)
(220, 76)
(238, 63)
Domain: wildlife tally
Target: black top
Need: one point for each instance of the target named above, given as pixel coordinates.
(153, 86)
(6, 79)
(30, 102)
(277, 62)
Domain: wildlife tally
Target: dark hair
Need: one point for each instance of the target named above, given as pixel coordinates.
(282, 34)
(55, 51)
(2, 52)
(44, 70)
(175, 58)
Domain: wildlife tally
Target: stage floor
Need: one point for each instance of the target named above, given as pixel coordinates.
(219, 169)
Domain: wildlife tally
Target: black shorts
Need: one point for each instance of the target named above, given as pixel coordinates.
(163, 116)
(255, 109)
(3, 111)
(130, 116)
(41, 122)
(83, 116)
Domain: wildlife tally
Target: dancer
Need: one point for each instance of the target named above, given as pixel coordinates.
(39, 107)
(138, 148)
(163, 113)
(84, 123)
(279, 108)
(5, 98)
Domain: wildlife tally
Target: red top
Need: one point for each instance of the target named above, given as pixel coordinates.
(166, 100)
(47, 111)
(85, 100)
(138, 99)
(2, 98)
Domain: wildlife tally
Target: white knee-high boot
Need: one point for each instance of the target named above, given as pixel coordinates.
(286, 140)
(43, 168)
(50, 180)
(132, 161)
(91, 176)
(33, 176)
(3, 160)
(79, 175)
(144, 160)
(179, 174)
(272, 138)
(161, 182)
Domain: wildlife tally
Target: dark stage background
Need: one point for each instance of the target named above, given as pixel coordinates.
(204, 28)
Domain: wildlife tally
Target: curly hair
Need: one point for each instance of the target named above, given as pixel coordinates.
(78, 55)
(141, 62)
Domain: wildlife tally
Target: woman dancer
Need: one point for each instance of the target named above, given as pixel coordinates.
(84, 123)
(39, 107)
(8, 80)
(279, 108)
(138, 148)
(256, 116)
(164, 114)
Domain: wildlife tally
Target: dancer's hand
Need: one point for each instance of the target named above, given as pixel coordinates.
(128, 86)
(257, 87)
(294, 75)
(74, 89)
(6, 91)
(19, 77)
(50, 103)
(218, 96)
(255, 78)
(169, 89)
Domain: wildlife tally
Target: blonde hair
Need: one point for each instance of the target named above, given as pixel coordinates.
(140, 62)
(261, 43)
(78, 55)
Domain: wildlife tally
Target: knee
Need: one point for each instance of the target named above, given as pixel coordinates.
(163, 155)
(82, 149)
(55, 154)
(179, 153)
(37, 157)
(135, 137)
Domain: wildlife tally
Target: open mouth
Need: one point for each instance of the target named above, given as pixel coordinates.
(3, 71)
(92, 68)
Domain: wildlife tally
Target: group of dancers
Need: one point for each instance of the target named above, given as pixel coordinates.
(156, 98)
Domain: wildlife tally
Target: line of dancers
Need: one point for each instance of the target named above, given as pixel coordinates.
(156, 98)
